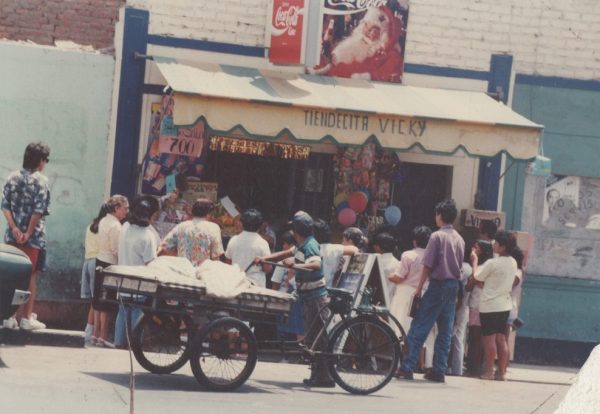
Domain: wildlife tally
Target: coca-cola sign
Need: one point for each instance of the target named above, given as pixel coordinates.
(287, 32)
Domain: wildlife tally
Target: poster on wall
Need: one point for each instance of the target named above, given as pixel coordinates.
(363, 39)
(172, 150)
(571, 202)
(287, 32)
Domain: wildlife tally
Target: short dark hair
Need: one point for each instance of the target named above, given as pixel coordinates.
(385, 241)
(303, 224)
(421, 235)
(322, 231)
(488, 227)
(518, 255)
(507, 240)
(288, 237)
(141, 213)
(34, 154)
(447, 210)
(356, 236)
(251, 220)
(201, 207)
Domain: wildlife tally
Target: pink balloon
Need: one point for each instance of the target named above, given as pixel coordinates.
(358, 201)
(347, 217)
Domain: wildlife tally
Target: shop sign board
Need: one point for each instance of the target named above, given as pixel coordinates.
(189, 147)
(363, 39)
(287, 32)
(197, 189)
(473, 218)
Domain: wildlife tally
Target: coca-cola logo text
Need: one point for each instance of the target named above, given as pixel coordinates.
(352, 6)
(287, 20)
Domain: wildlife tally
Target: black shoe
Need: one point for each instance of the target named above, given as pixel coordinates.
(407, 375)
(434, 376)
(313, 383)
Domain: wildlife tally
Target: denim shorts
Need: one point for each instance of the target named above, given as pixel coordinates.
(87, 278)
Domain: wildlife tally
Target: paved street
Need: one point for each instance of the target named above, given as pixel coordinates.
(66, 380)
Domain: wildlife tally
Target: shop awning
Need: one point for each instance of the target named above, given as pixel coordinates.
(348, 111)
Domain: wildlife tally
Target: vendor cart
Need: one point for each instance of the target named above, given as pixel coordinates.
(182, 322)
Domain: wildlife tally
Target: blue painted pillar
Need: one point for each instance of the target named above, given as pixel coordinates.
(129, 107)
(488, 183)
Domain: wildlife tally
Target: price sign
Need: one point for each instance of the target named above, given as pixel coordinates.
(191, 147)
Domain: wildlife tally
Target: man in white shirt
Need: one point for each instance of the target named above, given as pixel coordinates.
(246, 246)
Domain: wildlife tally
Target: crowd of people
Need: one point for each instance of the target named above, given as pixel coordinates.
(466, 299)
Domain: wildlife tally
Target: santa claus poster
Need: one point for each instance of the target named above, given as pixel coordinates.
(363, 39)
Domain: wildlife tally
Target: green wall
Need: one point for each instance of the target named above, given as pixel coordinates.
(62, 98)
(553, 307)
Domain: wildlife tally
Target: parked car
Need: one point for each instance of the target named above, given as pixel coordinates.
(15, 271)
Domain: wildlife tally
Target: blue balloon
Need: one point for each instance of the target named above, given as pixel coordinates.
(341, 206)
(392, 215)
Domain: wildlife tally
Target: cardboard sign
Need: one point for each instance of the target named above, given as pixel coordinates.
(287, 32)
(190, 147)
(472, 218)
(197, 189)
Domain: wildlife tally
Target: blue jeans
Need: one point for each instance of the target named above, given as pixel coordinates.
(438, 304)
(130, 313)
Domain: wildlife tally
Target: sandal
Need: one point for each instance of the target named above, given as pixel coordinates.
(489, 377)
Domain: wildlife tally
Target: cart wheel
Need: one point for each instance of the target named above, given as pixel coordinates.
(223, 354)
(160, 342)
(365, 354)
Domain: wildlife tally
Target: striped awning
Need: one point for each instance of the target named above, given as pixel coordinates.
(349, 111)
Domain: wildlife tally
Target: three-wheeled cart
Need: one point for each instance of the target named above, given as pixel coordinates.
(182, 322)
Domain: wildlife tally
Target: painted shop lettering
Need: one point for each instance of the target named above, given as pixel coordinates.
(346, 121)
(336, 120)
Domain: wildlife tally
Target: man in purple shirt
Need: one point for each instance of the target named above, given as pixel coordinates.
(442, 262)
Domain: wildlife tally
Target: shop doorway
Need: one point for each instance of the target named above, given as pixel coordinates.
(275, 186)
(422, 186)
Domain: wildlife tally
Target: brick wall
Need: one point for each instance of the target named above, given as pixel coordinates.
(241, 22)
(86, 22)
(546, 37)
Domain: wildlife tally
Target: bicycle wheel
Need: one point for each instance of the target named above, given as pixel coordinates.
(160, 342)
(365, 355)
(398, 330)
(224, 354)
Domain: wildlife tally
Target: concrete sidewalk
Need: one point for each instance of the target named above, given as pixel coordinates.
(59, 380)
(48, 337)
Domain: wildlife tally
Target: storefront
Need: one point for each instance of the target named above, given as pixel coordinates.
(352, 152)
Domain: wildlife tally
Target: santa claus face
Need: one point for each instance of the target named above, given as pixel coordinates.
(376, 26)
(372, 35)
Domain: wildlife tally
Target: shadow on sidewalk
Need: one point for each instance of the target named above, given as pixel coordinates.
(172, 382)
(297, 386)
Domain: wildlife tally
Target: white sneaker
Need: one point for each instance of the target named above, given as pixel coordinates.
(10, 323)
(32, 323)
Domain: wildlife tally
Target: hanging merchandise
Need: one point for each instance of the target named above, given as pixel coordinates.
(364, 177)
(392, 215)
(347, 217)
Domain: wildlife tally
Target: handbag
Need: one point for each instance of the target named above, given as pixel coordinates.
(414, 306)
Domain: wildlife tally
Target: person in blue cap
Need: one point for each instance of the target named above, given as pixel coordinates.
(311, 290)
